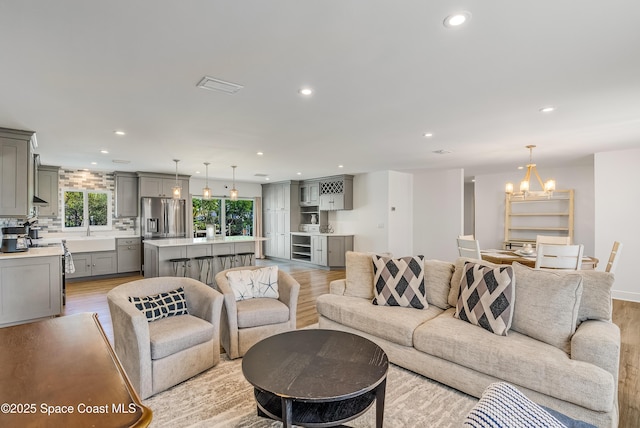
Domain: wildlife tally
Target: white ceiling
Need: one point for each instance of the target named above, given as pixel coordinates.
(384, 72)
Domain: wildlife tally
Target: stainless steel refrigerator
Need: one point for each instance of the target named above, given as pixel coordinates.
(163, 218)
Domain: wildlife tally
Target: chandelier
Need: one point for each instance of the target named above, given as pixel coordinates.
(547, 188)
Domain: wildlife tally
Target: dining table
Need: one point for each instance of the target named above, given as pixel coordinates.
(506, 257)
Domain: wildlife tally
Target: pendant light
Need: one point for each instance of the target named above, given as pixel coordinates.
(206, 191)
(177, 189)
(233, 193)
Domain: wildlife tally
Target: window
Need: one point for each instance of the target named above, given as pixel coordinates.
(234, 217)
(93, 205)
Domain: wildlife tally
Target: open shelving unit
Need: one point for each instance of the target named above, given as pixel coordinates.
(525, 218)
(301, 247)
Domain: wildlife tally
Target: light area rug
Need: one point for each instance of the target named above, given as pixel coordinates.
(221, 397)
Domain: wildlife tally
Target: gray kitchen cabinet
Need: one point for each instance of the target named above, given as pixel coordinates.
(280, 216)
(161, 185)
(321, 249)
(16, 173)
(309, 193)
(127, 201)
(337, 246)
(93, 264)
(129, 252)
(48, 190)
(336, 193)
(31, 288)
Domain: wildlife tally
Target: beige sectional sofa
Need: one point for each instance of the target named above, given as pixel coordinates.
(562, 350)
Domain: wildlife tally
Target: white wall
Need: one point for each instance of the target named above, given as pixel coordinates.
(616, 217)
(438, 213)
(490, 198)
(245, 190)
(369, 219)
(400, 211)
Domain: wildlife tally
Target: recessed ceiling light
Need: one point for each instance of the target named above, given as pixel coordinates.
(306, 91)
(298, 173)
(547, 109)
(340, 166)
(427, 134)
(197, 172)
(259, 153)
(457, 19)
(104, 152)
(520, 167)
(121, 133)
(94, 163)
(267, 178)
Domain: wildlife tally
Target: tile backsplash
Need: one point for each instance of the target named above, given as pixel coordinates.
(79, 179)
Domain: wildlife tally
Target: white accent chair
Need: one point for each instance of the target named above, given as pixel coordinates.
(614, 257)
(160, 354)
(567, 257)
(469, 248)
(246, 322)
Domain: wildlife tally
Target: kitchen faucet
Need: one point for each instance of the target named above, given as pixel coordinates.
(88, 227)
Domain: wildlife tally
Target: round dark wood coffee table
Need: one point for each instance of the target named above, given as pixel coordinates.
(317, 378)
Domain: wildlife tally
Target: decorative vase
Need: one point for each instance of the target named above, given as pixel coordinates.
(211, 231)
(314, 219)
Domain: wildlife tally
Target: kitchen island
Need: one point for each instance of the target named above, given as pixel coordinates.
(157, 253)
(31, 285)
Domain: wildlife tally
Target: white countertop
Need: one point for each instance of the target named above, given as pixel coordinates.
(321, 234)
(177, 242)
(34, 252)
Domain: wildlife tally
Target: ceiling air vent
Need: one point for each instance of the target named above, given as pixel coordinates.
(441, 152)
(260, 175)
(218, 85)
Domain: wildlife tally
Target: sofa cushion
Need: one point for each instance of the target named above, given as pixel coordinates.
(161, 305)
(173, 334)
(250, 283)
(399, 282)
(546, 305)
(393, 323)
(359, 275)
(486, 297)
(261, 311)
(456, 277)
(437, 282)
(595, 303)
(517, 359)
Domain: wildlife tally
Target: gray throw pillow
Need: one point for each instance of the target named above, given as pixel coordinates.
(546, 305)
(399, 282)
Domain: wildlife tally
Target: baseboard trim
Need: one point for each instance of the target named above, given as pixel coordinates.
(625, 295)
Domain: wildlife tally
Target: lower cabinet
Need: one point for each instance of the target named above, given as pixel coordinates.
(129, 253)
(92, 264)
(30, 288)
(322, 250)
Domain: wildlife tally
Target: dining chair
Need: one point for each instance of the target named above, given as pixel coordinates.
(467, 237)
(556, 240)
(550, 256)
(469, 248)
(613, 258)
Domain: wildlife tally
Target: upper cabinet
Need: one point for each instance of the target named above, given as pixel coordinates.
(161, 185)
(336, 193)
(16, 172)
(126, 194)
(47, 189)
(309, 193)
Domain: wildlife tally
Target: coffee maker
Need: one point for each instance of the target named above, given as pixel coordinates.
(14, 239)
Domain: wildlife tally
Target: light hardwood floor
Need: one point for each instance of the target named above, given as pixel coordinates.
(90, 296)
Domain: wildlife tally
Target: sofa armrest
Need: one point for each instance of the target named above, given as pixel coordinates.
(598, 342)
(338, 287)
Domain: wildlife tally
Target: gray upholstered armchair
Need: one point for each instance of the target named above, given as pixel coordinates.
(246, 322)
(162, 353)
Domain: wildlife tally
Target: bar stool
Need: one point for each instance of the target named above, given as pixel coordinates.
(244, 257)
(180, 262)
(223, 260)
(208, 261)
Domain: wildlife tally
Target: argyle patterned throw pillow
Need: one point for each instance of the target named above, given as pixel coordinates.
(399, 282)
(162, 305)
(486, 297)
